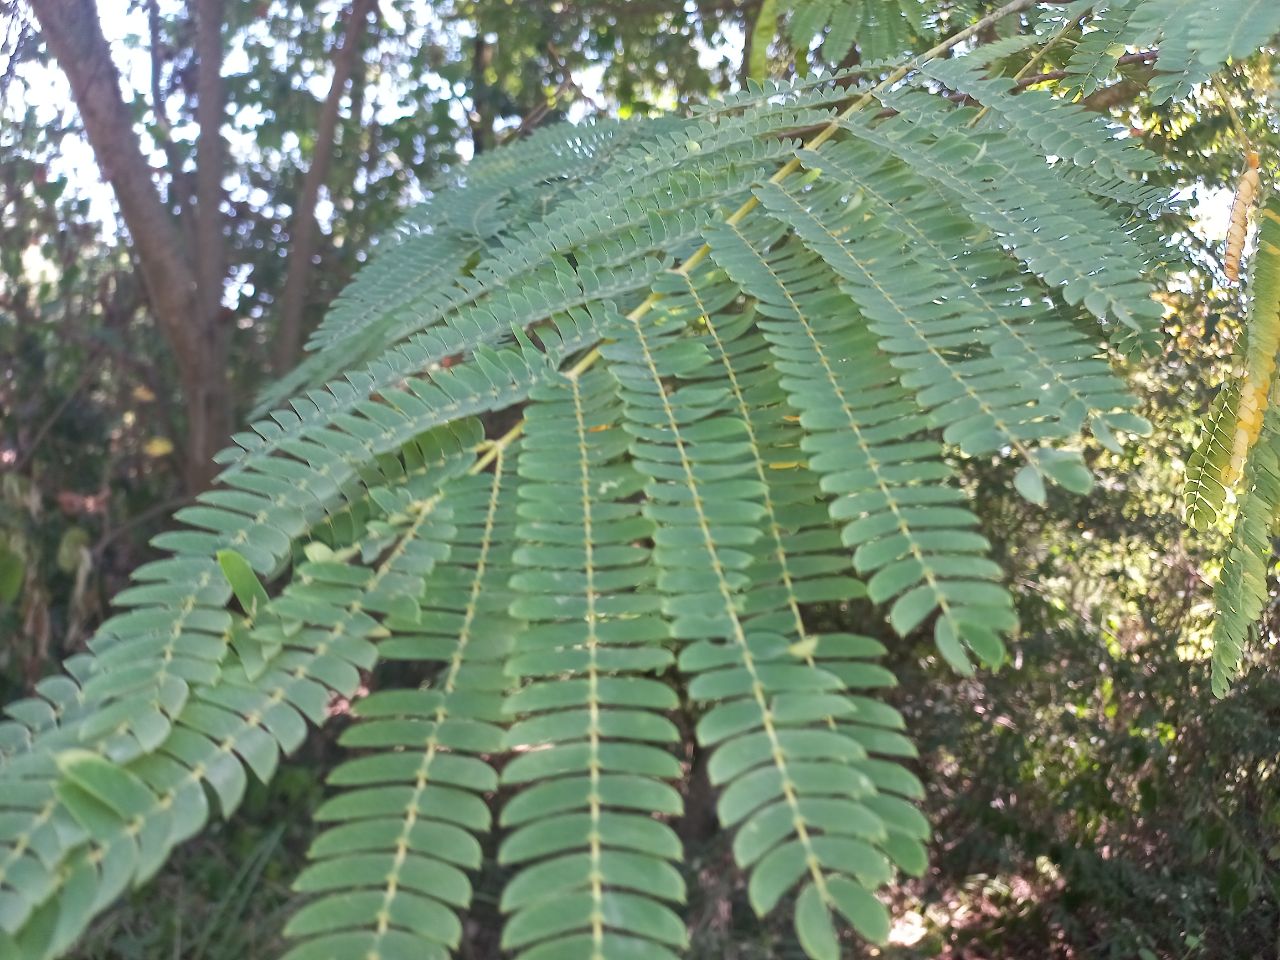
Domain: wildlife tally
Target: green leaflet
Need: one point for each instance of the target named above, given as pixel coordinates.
(1241, 590)
(244, 582)
(592, 863)
(762, 33)
(1095, 56)
(89, 851)
(403, 831)
(908, 529)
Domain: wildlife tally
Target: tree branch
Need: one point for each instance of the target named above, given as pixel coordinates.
(303, 233)
(210, 101)
(188, 321)
(157, 69)
(483, 96)
(75, 38)
(178, 181)
(87, 373)
(209, 393)
(1143, 56)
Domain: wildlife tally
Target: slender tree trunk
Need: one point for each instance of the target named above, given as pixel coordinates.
(483, 110)
(304, 233)
(184, 302)
(211, 393)
(760, 24)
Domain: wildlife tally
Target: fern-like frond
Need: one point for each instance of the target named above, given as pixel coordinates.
(1232, 29)
(1236, 416)
(1243, 438)
(709, 430)
(1094, 58)
(1196, 38)
(1059, 130)
(1242, 592)
(413, 269)
(983, 403)
(879, 28)
(1209, 474)
(607, 243)
(1003, 48)
(817, 89)
(1036, 348)
(174, 633)
(424, 256)
(594, 874)
(146, 658)
(784, 764)
(799, 561)
(1168, 23)
(900, 518)
(1062, 233)
(100, 825)
(389, 870)
(1262, 340)
(56, 701)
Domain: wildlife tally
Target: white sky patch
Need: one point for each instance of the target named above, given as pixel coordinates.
(44, 89)
(1212, 210)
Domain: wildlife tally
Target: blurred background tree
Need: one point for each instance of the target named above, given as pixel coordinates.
(185, 185)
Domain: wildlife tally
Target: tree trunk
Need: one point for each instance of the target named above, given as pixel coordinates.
(303, 235)
(188, 322)
(209, 396)
(483, 97)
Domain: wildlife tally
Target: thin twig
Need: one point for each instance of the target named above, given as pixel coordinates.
(1143, 56)
(1035, 58)
(136, 520)
(567, 84)
(86, 375)
(157, 93)
(1236, 123)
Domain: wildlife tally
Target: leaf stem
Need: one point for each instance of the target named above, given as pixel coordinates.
(1236, 123)
(1035, 59)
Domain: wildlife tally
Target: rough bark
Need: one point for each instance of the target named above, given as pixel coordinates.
(304, 231)
(72, 32)
(1102, 101)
